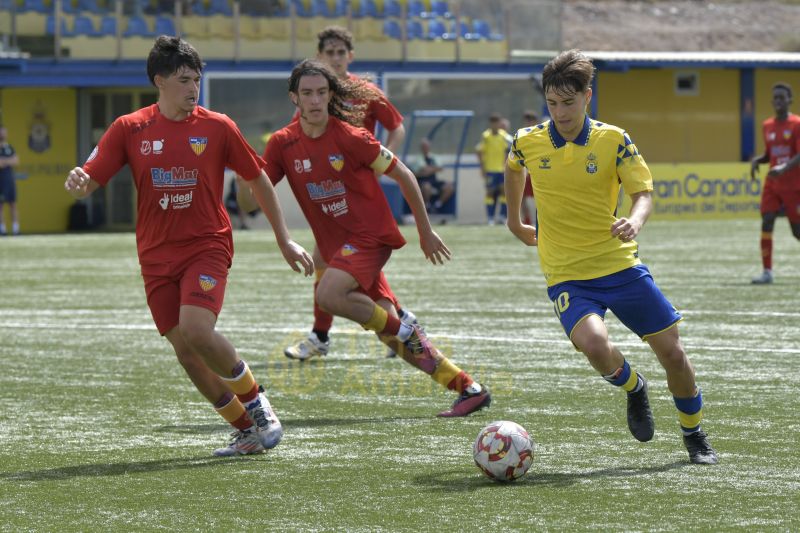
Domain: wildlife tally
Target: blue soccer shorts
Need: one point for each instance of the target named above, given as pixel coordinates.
(631, 294)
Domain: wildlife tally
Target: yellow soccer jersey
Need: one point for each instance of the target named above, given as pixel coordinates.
(494, 149)
(576, 185)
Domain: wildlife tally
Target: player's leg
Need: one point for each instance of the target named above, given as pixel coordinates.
(202, 288)
(318, 341)
(14, 218)
(490, 200)
(685, 393)
(446, 191)
(501, 197)
(792, 203)
(581, 309)
(3, 230)
(770, 205)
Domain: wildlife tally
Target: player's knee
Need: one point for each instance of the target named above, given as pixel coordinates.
(674, 358)
(596, 347)
(327, 298)
(198, 336)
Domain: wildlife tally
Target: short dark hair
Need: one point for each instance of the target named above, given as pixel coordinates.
(495, 117)
(530, 115)
(334, 33)
(170, 54)
(570, 72)
(783, 85)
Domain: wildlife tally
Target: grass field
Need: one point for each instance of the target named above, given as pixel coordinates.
(100, 430)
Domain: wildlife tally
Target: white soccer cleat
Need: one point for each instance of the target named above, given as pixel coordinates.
(268, 427)
(307, 348)
(409, 319)
(243, 443)
(764, 279)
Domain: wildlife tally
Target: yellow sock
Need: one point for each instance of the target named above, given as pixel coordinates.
(445, 373)
(377, 322)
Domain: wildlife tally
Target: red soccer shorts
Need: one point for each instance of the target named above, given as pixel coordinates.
(774, 196)
(199, 280)
(365, 264)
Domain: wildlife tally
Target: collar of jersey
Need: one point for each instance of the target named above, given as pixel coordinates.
(582, 139)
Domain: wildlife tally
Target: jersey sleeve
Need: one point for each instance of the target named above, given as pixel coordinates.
(516, 159)
(273, 163)
(363, 146)
(796, 135)
(385, 113)
(240, 155)
(633, 172)
(109, 155)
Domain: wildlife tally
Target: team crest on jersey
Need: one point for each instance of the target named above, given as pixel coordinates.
(544, 163)
(207, 282)
(591, 163)
(198, 144)
(348, 249)
(336, 161)
(787, 134)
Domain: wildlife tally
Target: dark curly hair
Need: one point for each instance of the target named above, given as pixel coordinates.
(170, 54)
(349, 98)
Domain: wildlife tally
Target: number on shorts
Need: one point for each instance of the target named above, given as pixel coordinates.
(561, 303)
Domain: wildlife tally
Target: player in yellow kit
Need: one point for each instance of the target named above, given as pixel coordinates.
(492, 151)
(588, 255)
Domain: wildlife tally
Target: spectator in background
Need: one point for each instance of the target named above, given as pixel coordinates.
(435, 192)
(8, 184)
(529, 119)
(492, 151)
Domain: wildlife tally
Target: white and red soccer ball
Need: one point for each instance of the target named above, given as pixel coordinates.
(503, 451)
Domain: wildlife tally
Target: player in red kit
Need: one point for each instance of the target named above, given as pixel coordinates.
(177, 152)
(331, 166)
(782, 186)
(335, 49)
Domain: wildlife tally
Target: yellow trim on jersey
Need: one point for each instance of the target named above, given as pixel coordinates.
(383, 161)
(576, 185)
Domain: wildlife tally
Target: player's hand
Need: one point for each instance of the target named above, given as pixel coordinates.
(526, 233)
(77, 182)
(293, 253)
(625, 229)
(434, 248)
(776, 171)
(754, 169)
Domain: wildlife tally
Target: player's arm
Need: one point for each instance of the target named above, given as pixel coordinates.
(515, 186)
(755, 162)
(626, 229)
(395, 138)
(9, 161)
(432, 245)
(293, 253)
(79, 184)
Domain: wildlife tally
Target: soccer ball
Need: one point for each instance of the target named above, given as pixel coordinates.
(503, 451)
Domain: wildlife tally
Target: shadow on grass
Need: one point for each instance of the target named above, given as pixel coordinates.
(120, 469)
(291, 423)
(452, 482)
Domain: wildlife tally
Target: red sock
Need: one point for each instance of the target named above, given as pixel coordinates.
(322, 320)
(766, 250)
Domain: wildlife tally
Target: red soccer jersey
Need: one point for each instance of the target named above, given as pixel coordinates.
(782, 141)
(334, 184)
(379, 110)
(178, 170)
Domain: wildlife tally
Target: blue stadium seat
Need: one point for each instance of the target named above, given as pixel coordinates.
(437, 30)
(414, 30)
(356, 7)
(220, 7)
(392, 8)
(481, 27)
(138, 26)
(91, 6)
(108, 25)
(164, 26)
(84, 26)
(465, 31)
(439, 8)
(67, 6)
(50, 26)
(326, 8)
(370, 9)
(416, 8)
(391, 29)
(36, 5)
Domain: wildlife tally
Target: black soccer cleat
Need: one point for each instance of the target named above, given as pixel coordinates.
(640, 417)
(700, 451)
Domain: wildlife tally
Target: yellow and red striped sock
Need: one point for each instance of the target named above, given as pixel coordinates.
(243, 384)
(231, 409)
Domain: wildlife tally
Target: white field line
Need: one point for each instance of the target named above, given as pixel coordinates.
(522, 339)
